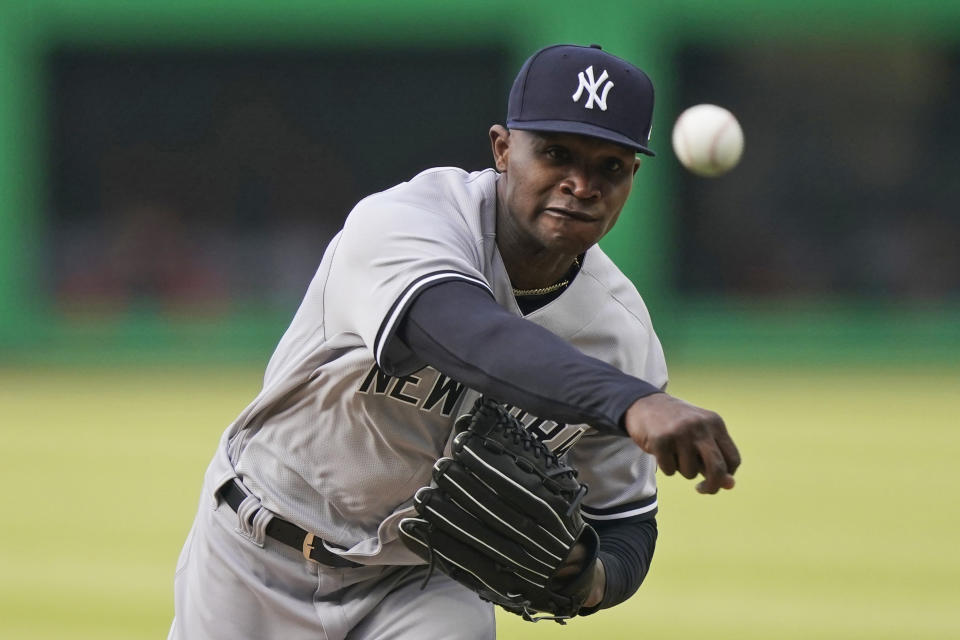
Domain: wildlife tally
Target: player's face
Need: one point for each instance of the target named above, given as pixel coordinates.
(563, 192)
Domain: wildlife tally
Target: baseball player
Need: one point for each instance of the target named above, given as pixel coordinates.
(442, 288)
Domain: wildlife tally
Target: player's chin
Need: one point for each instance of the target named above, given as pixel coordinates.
(565, 244)
(571, 236)
(572, 243)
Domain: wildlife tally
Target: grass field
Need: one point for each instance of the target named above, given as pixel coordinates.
(843, 524)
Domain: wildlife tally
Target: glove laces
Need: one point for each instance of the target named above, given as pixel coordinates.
(520, 436)
(432, 563)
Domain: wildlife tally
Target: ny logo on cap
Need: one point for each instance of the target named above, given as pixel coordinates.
(587, 82)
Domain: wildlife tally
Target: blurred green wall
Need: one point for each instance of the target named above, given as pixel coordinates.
(650, 32)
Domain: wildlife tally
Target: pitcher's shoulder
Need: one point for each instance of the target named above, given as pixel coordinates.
(606, 276)
(438, 188)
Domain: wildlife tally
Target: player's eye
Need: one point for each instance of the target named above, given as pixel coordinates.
(557, 153)
(613, 165)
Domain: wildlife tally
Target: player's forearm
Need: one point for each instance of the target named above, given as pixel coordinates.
(460, 330)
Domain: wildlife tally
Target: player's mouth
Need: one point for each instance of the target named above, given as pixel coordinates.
(573, 214)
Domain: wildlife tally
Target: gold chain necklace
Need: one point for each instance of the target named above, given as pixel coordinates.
(542, 291)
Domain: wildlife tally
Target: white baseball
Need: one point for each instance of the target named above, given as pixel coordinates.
(708, 140)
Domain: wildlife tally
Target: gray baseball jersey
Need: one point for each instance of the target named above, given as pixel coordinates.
(347, 425)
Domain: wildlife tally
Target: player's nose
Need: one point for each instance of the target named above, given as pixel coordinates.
(580, 184)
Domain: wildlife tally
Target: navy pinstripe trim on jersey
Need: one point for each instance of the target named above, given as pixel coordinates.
(403, 301)
(646, 507)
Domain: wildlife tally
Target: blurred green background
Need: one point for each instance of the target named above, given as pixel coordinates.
(171, 172)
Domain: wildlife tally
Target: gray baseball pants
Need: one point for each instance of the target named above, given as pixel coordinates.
(228, 587)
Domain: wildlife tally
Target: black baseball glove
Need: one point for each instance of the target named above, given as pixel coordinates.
(502, 516)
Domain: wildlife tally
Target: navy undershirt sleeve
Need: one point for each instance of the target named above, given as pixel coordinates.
(460, 330)
(626, 549)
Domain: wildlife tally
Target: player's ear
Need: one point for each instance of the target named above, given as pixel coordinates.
(500, 145)
(636, 165)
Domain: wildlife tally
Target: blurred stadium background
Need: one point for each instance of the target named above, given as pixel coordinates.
(171, 172)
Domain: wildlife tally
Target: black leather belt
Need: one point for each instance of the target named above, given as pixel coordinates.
(287, 532)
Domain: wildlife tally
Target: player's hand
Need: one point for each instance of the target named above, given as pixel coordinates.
(684, 438)
(574, 565)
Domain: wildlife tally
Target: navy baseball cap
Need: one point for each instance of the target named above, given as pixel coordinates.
(568, 88)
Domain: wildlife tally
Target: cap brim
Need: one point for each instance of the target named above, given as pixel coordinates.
(580, 128)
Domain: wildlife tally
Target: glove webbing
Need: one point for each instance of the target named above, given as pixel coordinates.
(521, 436)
